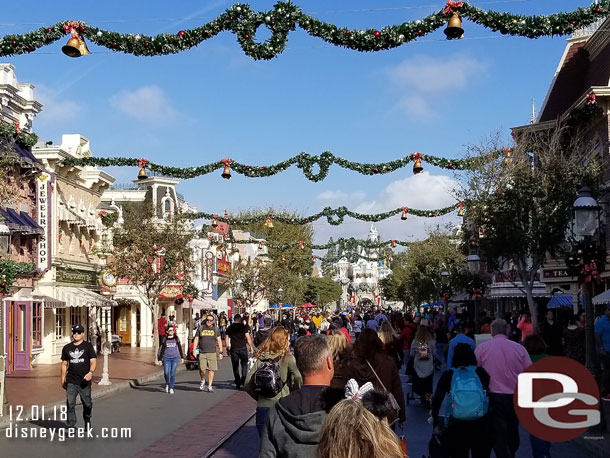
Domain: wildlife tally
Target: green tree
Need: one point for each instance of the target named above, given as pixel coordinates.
(151, 255)
(299, 260)
(416, 273)
(328, 268)
(518, 210)
(321, 291)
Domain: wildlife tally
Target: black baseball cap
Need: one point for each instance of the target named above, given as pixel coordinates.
(459, 327)
(77, 328)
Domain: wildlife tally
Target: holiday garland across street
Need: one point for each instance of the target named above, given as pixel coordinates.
(241, 20)
(307, 163)
(334, 216)
(344, 244)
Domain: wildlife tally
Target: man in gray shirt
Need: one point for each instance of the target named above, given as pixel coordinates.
(207, 340)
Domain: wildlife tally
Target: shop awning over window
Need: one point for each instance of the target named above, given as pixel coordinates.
(516, 289)
(82, 297)
(561, 301)
(602, 299)
(20, 222)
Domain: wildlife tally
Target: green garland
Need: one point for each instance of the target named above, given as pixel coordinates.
(285, 17)
(10, 270)
(349, 244)
(12, 133)
(350, 257)
(334, 216)
(304, 161)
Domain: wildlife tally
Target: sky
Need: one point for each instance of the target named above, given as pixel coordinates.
(433, 96)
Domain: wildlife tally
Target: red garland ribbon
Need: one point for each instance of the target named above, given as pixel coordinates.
(226, 161)
(301, 244)
(451, 7)
(142, 163)
(17, 127)
(461, 205)
(591, 99)
(405, 209)
(416, 156)
(589, 272)
(446, 296)
(71, 27)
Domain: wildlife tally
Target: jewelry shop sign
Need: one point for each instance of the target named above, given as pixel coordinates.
(44, 209)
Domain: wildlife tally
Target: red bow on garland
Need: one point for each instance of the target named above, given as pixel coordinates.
(142, 163)
(72, 26)
(591, 99)
(446, 296)
(451, 7)
(416, 156)
(589, 272)
(226, 161)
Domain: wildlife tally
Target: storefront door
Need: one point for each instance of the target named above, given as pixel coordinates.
(21, 333)
(123, 324)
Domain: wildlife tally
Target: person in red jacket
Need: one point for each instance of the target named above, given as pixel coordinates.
(162, 327)
(406, 337)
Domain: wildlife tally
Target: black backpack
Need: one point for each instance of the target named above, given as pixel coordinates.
(268, 378)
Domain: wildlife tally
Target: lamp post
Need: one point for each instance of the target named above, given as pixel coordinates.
(237, 289)
(189, 298)
(474, 266)
(585, 223)
(445, 288)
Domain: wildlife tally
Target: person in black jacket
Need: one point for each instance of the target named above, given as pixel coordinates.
(169, 351)
(462, 436)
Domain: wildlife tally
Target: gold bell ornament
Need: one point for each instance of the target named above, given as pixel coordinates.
(215, 222)
(417, 167)
(268, 222)
(226, 173)
(142, 173)
(260, 245)
(76, 46)
(405, 210)
(461, 210)
(454, 28)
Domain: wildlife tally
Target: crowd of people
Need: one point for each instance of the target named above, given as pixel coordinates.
(329, 384)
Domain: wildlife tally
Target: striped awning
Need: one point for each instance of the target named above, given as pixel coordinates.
(82, 297)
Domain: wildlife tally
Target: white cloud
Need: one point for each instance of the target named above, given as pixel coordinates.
(340, 197)
(434, 77)
(144, 104)
(55, 109)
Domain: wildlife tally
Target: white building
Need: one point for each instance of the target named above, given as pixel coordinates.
(359, 273)
(72, 286)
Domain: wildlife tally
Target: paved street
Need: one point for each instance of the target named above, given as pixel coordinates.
(150, 413)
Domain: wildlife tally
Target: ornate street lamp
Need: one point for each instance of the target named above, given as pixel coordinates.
(585, 224)
(474, 266)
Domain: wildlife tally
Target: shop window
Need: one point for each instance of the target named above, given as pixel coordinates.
(37, 311)
(60, 323)
(74, 316)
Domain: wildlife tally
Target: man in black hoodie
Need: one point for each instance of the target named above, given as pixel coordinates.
(295, 422)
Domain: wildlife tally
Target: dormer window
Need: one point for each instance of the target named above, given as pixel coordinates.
(168, 209)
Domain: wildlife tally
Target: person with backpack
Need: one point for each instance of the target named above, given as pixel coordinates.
(460, 337)
(422, 353)
(467, 387)
(274, 374)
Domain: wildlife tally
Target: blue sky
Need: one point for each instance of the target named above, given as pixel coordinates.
(433, 96)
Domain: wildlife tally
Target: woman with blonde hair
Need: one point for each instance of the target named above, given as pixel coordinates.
(341, 351)
(351, 431)
(274, 374)
(390, 342)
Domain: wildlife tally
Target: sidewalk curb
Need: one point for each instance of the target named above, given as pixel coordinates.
(103, 392)
(227, 436)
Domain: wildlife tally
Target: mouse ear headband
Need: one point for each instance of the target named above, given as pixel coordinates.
(353, 391)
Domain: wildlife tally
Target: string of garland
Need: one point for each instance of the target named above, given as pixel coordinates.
(306, 162)
(10, 270)
(350, 257)
(349, 244)
(334, 216)
(241, 20)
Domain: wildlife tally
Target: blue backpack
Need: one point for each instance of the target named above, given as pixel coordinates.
(467, 399)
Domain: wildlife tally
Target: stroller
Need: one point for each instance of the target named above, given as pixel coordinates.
(116, 343)
(191, 362)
